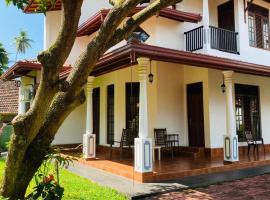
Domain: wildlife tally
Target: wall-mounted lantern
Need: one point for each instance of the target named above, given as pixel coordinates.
(223, 86)
(151, 76)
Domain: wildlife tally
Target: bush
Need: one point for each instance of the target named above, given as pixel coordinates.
(5, 136)
(47, 183)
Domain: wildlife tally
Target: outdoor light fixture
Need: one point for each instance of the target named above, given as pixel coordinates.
(151, 76)
(223, 87)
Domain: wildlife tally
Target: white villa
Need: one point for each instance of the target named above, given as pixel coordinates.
(209, 61)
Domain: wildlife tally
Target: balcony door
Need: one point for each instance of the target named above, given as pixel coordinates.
(226, 16)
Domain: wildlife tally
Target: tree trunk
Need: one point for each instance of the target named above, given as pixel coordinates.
(24, 160)
(34, 131)
(20, 170)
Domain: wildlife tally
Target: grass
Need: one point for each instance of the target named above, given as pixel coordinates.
(78, 188)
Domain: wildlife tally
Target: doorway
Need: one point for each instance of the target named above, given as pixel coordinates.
(96, 112)
(247, 109)
(226, 16)
(195, 115)
(132, 106)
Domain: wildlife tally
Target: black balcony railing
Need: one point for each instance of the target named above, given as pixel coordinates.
(223, 40)
(194, 39)
(220, 39)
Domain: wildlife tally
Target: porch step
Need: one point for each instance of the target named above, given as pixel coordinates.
(195, 152)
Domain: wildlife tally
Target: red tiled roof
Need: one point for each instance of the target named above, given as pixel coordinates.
(93, 23)
(33, 6)
(9, 97)
(23, 67)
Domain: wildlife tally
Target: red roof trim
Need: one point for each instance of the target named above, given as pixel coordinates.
(21, 68)
(121, 58)
(33, 7)
(93, 23)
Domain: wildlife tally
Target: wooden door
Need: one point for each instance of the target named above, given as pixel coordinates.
(96, 113)
(132, 106)
(226, 16)
(195, 115)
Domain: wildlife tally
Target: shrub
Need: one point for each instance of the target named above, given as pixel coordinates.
(48, 183)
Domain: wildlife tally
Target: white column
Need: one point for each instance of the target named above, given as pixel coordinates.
(143, 144)
(89, 138)
(230, 139)
(206, 24)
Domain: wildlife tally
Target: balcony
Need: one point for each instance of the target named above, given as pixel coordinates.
(219, 39)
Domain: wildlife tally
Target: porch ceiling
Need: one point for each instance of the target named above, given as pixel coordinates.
(23, 67)
(92, 24)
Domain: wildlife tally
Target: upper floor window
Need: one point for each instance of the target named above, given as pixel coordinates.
(258, 26)
(139, 34)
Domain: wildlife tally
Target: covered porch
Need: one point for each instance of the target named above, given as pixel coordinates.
(218, 128)
(164, 104)
(170, 169)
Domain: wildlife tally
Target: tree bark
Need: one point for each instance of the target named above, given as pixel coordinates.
(35, 131)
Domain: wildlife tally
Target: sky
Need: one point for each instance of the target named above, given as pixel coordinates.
(13, 21)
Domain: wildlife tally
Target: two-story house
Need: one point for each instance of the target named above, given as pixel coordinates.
(200, 69)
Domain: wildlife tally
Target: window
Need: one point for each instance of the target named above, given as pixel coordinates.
(247, 110)
(132, 106)
(110, 114)
(258, 26)
(138, 35)
(26, 97)
(251, 30)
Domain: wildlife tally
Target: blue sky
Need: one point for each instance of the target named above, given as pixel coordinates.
(12, 22)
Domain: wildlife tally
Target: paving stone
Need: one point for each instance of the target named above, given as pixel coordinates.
(257, 188)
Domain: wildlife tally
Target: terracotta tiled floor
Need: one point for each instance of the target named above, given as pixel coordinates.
(246, 189)
(169, 168)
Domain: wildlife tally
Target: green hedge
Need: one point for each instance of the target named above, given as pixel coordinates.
(5, 136)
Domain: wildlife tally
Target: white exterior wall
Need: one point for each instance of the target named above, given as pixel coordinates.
(165, 32)
(119, 78)
(217, 105)
(167, 95)
(73, 128)
(167, 103)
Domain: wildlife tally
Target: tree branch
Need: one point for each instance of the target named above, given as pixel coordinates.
(116, 2)
(132, 23)
(52, 61)
(98, 46)
(60, 50)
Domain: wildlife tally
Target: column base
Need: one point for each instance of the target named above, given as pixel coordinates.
(231, 153)
(89, 146)
(143, 155)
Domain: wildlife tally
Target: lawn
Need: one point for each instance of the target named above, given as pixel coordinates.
(78, 188)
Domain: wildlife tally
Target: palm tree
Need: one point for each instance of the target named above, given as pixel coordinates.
(3, 59)
(22, 43)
